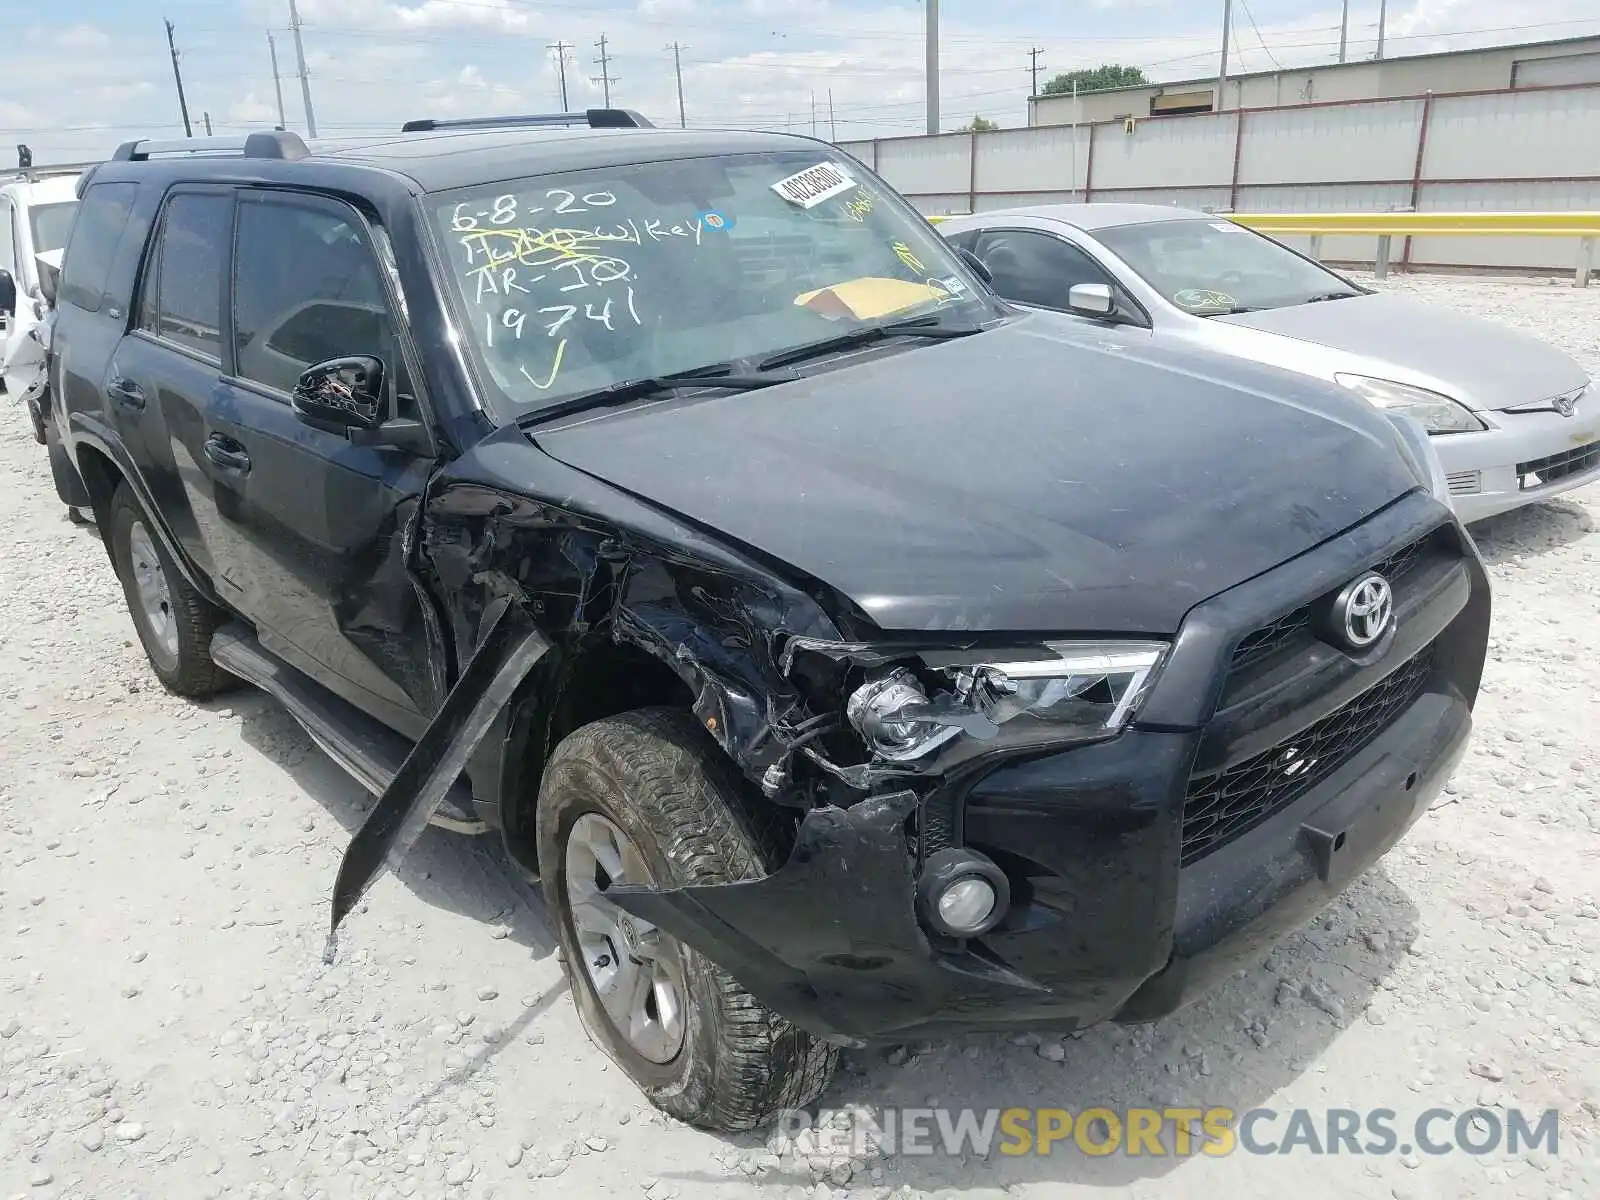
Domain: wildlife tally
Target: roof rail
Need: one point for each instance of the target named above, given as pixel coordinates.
(595, 118)
(277, 144)
(35, 174)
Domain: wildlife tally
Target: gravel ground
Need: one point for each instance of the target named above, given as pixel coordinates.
(167, 1028)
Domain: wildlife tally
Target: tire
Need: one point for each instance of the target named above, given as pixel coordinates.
(656, 776)
(179, 648)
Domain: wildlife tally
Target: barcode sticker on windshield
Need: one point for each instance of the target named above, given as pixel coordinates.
(812, 186)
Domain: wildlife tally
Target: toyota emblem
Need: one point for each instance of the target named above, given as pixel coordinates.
(1363, 611)
(1568, 404)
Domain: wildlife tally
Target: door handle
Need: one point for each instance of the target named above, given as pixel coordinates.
(126, 392)
(227, 454)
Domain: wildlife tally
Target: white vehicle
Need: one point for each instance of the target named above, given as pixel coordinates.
(1513, 420)
(36, 212)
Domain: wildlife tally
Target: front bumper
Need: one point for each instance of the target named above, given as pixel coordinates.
(1127, 901)
(1482, 468)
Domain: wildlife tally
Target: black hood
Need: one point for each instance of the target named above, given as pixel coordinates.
(1043, 476)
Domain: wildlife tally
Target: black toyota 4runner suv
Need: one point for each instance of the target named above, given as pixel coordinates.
(849, 654)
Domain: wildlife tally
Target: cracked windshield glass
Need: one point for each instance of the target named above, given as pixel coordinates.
(579, 280)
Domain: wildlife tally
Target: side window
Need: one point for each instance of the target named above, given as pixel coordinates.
(95, 233)
(1036, 268)
(182, 298)
(307, 288)
(8, 255)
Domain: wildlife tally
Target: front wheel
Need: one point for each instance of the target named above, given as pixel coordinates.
(645, 798)
(174, 622)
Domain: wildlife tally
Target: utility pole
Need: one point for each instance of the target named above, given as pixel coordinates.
(561, 49)
(931, 52)
(677, 67)
(813, 112)
(604, 60)
(1383, 19)
(277, 80)
(305, 76)
(207, 117)
(1344, 29)
(833, 125)
(1034, 55)
(177, 77)
(1222, 71)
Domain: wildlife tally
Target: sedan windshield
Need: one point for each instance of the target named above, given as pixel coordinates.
(1213, 267)
(584, 280)
(50, 224)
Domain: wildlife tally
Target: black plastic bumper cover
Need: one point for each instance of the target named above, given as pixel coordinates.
(831, 940)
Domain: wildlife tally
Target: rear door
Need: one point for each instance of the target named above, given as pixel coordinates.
(167, 372)
(317, 523)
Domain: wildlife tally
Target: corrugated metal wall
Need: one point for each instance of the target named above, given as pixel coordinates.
(1528, 149)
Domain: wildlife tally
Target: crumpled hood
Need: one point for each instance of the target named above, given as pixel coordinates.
(1485, 365)
(1041, 476)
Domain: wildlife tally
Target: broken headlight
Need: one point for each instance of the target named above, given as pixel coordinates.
(1075, 691)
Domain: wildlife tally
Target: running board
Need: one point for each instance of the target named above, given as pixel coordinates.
(365, 747)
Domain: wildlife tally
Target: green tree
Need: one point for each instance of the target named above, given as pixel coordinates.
(978, 125)
(1095, 79)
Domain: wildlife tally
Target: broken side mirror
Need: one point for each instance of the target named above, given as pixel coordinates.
(8, 293)
(342, 394)
(977, 265)
(1091, 300)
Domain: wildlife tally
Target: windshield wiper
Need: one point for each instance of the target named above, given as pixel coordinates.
(721, 376)
(928, 327)
(1330, 296)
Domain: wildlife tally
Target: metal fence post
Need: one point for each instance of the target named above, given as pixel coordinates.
(1585, 262)
(1380, 268)
(1316, 246)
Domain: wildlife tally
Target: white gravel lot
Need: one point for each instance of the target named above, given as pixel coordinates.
(168, 1030)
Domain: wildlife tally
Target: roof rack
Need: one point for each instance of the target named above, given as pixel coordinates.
(595, 118)
(277, 144)
(35, 174)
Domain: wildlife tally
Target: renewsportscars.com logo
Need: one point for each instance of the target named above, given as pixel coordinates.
(1168, 1132)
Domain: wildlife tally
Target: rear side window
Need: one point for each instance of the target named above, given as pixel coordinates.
(102, 216)
(307, 288)
(182, 300)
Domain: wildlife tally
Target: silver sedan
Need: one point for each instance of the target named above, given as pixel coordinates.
(1514, 420)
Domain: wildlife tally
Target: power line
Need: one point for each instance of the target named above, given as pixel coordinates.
(561, 49)
(1249, 16)
(605, 80)
(177, 78)
(305, 75)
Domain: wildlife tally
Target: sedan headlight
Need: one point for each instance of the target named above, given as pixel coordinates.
(1437, 412)
(1059, 692)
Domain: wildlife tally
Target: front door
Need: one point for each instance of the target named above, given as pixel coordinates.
(317, 523)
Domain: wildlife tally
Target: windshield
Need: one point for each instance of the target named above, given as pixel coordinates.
(1211, 267)
(50, 224)
(580, 280)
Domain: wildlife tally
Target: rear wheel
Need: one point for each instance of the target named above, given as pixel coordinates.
(644, 798)
(174, 622)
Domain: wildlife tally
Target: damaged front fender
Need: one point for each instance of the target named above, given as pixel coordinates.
(507, 651)
(831, 939)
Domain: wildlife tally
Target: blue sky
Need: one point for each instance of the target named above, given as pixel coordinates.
(97, 71)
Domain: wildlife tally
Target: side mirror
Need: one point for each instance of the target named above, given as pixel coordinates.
(8, 293)
(341, 394)
(977, 265)
(1091, 300)
(49, 276)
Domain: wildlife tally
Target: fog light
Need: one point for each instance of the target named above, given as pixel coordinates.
(967, 903)
(962, 894)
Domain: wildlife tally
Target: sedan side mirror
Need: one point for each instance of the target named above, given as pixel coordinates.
(1091, 300)
(341, 394)
(977, 265)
